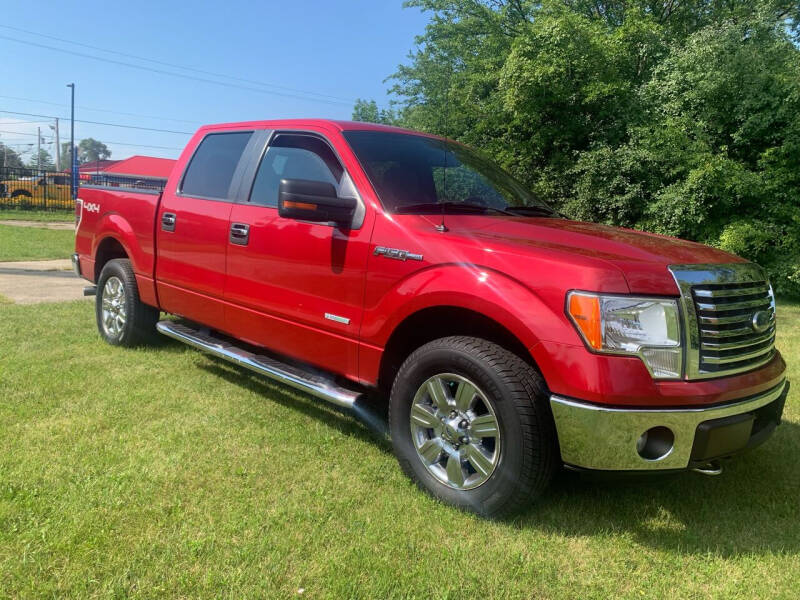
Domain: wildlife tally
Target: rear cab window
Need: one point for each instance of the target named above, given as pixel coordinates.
(212, 167)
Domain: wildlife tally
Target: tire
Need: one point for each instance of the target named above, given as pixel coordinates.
(122, 319)
(492, 476)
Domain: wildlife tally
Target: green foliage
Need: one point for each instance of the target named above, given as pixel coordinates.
(45, 161)
(368, 111)
(90, 150)
(9, 158)
(676, 117)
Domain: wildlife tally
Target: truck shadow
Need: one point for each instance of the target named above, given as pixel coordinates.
(753, 507)
(367, 421)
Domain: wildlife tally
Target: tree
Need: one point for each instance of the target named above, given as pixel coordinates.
(9, 158)
(676, 117)
(66, 155)
(368, 111)
(45, 162)
(90, 150)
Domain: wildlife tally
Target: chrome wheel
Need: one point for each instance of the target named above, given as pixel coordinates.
(455, 431)
(113, 305)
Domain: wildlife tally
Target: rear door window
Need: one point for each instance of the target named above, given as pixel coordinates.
(210, 172)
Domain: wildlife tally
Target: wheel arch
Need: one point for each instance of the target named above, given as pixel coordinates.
(434, 322)
(108, 249)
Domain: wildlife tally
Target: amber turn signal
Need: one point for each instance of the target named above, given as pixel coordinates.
(585, 312)
(300, 205)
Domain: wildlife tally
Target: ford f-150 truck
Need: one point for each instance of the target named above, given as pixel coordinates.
(346, 259)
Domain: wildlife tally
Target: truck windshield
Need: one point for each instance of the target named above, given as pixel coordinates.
(418, 174)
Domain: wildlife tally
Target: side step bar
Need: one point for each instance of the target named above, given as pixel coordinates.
(311, 383)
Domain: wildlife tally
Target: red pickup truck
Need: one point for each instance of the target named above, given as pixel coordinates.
(346, 259)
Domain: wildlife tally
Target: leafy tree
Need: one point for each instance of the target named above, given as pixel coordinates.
(368, 111)
(678, 117)
(9, 158)
(44, 163)
(90, 150)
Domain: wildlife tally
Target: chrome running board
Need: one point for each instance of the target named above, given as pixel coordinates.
(317, 385)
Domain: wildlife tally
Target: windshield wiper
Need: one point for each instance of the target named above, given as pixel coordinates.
(436, 207)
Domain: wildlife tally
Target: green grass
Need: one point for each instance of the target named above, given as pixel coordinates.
(46, 216)
(33, 243)
(161, 472)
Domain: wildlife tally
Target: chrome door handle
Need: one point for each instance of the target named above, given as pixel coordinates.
(240, 234)
(168, 221)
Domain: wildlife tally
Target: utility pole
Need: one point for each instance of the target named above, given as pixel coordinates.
(38, 151)
(58, 147)
(73, 154)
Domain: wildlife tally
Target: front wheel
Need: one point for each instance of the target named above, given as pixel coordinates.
(122, 318)
(471, 424)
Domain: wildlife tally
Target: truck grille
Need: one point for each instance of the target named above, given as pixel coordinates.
(729, 313)
(725, 315)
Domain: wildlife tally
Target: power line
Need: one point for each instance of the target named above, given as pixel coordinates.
(52, 141)
(20, 133)
(181, 75)
(11, 112)
(15, 122)
(176, 66)
(113, 112)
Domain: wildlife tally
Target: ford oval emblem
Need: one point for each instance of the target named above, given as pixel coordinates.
(761, 321)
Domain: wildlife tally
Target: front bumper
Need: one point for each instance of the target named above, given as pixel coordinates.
(611, 439)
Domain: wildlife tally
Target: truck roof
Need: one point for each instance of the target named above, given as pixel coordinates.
(301, 123)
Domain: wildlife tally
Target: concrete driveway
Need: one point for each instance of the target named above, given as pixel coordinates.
(30, 282)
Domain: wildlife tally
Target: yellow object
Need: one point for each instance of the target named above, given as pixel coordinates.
(48, 191)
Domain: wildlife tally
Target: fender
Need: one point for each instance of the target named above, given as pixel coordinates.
(496, 296)
(113, 225)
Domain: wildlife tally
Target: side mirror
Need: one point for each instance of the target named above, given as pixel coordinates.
(315, 201)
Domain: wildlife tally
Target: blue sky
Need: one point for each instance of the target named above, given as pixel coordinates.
(343, 50)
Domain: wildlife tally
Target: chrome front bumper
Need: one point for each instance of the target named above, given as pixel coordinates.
(603, 438)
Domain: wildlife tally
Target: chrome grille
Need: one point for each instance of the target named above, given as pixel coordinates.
(725, 317)
(720, 304)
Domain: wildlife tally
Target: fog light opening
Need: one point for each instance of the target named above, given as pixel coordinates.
(655, 443)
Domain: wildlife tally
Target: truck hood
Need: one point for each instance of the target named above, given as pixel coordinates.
(642, 257)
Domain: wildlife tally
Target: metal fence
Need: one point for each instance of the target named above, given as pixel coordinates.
(32, 189)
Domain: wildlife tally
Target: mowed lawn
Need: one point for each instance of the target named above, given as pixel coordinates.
(161, 472)
(34, 243)
(46, 216)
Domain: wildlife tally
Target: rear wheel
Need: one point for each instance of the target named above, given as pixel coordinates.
(122, 318)
(471, 424)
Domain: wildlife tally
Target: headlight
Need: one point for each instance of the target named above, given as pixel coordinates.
(645, 327)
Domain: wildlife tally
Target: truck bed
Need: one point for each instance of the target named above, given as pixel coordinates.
(128, 215)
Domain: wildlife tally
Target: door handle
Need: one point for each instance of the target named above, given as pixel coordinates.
(168, 221)
(240, 234)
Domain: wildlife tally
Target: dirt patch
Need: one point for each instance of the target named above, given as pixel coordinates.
(40, 224)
